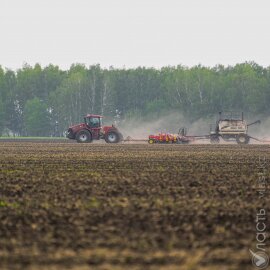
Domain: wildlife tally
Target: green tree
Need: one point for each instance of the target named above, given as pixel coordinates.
(36, 118)
(66, 96)
(2, 117)
(2, 100)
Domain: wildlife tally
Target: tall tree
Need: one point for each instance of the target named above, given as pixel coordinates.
(36, 118)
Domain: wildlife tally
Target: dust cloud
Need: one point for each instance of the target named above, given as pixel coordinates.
(260, 131)
(170, 123)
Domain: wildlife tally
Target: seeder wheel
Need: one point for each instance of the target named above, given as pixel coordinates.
(214, 139)
(242, 139)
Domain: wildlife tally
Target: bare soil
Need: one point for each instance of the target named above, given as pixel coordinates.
(97, 206)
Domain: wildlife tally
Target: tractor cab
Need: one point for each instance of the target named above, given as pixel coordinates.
(93, 121)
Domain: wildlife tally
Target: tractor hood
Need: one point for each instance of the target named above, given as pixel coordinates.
(78, 126)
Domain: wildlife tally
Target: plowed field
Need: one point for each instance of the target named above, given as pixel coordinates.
(98, 206)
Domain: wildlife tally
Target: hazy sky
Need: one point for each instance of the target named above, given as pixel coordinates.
(134, 32)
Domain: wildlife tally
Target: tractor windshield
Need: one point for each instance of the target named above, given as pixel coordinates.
(93, 122)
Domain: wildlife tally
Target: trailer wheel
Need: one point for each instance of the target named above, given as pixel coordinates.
(112, 137)
(84, 136)
(214, 139)
(242, 139)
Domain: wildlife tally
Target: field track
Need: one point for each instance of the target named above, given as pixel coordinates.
(96, 206)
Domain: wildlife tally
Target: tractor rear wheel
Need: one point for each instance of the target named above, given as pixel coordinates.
(112, 137)
(242, 139)
(84, 136)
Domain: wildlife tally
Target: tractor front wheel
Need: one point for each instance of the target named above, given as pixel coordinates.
(242, 139)
(112, 137)
(83, 136)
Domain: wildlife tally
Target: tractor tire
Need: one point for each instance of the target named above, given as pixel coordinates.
(214, 140)
(151, 141)
(84, 136)
(112, 137)
(242, 139)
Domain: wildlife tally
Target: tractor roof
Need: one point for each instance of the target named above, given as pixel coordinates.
(94, 115)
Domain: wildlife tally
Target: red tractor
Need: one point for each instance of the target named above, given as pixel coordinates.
(92, 129)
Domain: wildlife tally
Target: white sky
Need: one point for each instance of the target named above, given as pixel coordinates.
(134, 32)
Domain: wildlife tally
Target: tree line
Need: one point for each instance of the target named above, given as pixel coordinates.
(36, 101)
